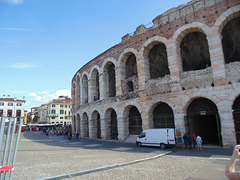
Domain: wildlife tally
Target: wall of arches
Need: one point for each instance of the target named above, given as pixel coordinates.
(187, 78)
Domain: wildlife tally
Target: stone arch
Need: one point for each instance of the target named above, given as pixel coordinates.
(203, 119)
(109, 79)
(157, 59)
(84, 125)
(133, 118)
(84, 89)
(182, 32)
(231, 41)
(111, 123)
(236, 118)
(95, 85)
(194, 51)
(227, 16)
(163, 116)
(95, 125)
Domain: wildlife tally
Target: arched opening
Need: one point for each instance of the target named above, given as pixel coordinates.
(135, 121)
(85, 89)
(231, 41)
(158, 62)
(95, 85)
(131, 66)
(110, 79)
(96, 125)
(236, 117)
(163, 116)
(195, 52)
(203, 119)
(85, 129)
(130, 86)
(114, 126)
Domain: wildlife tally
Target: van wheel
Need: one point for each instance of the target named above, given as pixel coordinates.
(139, 144)
(162, 146)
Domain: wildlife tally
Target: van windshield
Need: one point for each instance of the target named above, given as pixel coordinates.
(142, 135)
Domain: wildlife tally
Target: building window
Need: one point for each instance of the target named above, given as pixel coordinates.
(1, 104)
(61, 111)
(18, 113)
(9, 113)
(10, 104)
(61, 106)
(65, 106)
(53, 111)
(61, 117)
(53, 105)
(1, 112)
(53, 118)
(19, 104)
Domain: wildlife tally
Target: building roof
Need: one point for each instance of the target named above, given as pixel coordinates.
(11, 99)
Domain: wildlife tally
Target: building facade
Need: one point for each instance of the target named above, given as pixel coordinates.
(59, 111)
(182, 72)
(11, 107)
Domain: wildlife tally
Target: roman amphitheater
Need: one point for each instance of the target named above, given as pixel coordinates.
(183, 72)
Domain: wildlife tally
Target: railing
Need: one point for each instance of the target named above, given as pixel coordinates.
(10, 131)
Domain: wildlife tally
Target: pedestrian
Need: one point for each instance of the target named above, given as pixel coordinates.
(189, 142)
(77, 134)
(199, 142)
(185, 140)
(230, 169)
(194, 141)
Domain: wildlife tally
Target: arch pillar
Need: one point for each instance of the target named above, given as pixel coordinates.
(227, 127)
(174, 63)
(105, 130)
(123, 131)
(143, 72)
(217, 58)
(93, 129)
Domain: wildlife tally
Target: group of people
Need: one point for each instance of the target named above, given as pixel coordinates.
(192, 141)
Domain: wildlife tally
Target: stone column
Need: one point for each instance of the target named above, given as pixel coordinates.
(227, 128)
(174, 64)
(123, 131)
(143, 71)
(217, 58)
(118, 81)
(105, 128)
(102, 86)
(93, 128)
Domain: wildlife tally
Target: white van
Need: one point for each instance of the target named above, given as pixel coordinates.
(157, 137)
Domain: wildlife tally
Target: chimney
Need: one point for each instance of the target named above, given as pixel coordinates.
(8, 96)
(4, 96)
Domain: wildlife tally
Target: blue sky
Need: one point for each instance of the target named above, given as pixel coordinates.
(43, 43)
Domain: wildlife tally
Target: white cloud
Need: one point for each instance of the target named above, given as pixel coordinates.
(44, 92)
(22, 65)
(32, 94)
(64, 92)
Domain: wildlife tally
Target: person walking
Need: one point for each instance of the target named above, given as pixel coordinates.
(189, 141)
(77, 134)
(199, 142)
(194, 141)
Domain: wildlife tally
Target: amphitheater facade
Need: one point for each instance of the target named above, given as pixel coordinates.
(182, 72)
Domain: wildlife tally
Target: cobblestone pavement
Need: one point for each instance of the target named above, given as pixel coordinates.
(43, 157)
